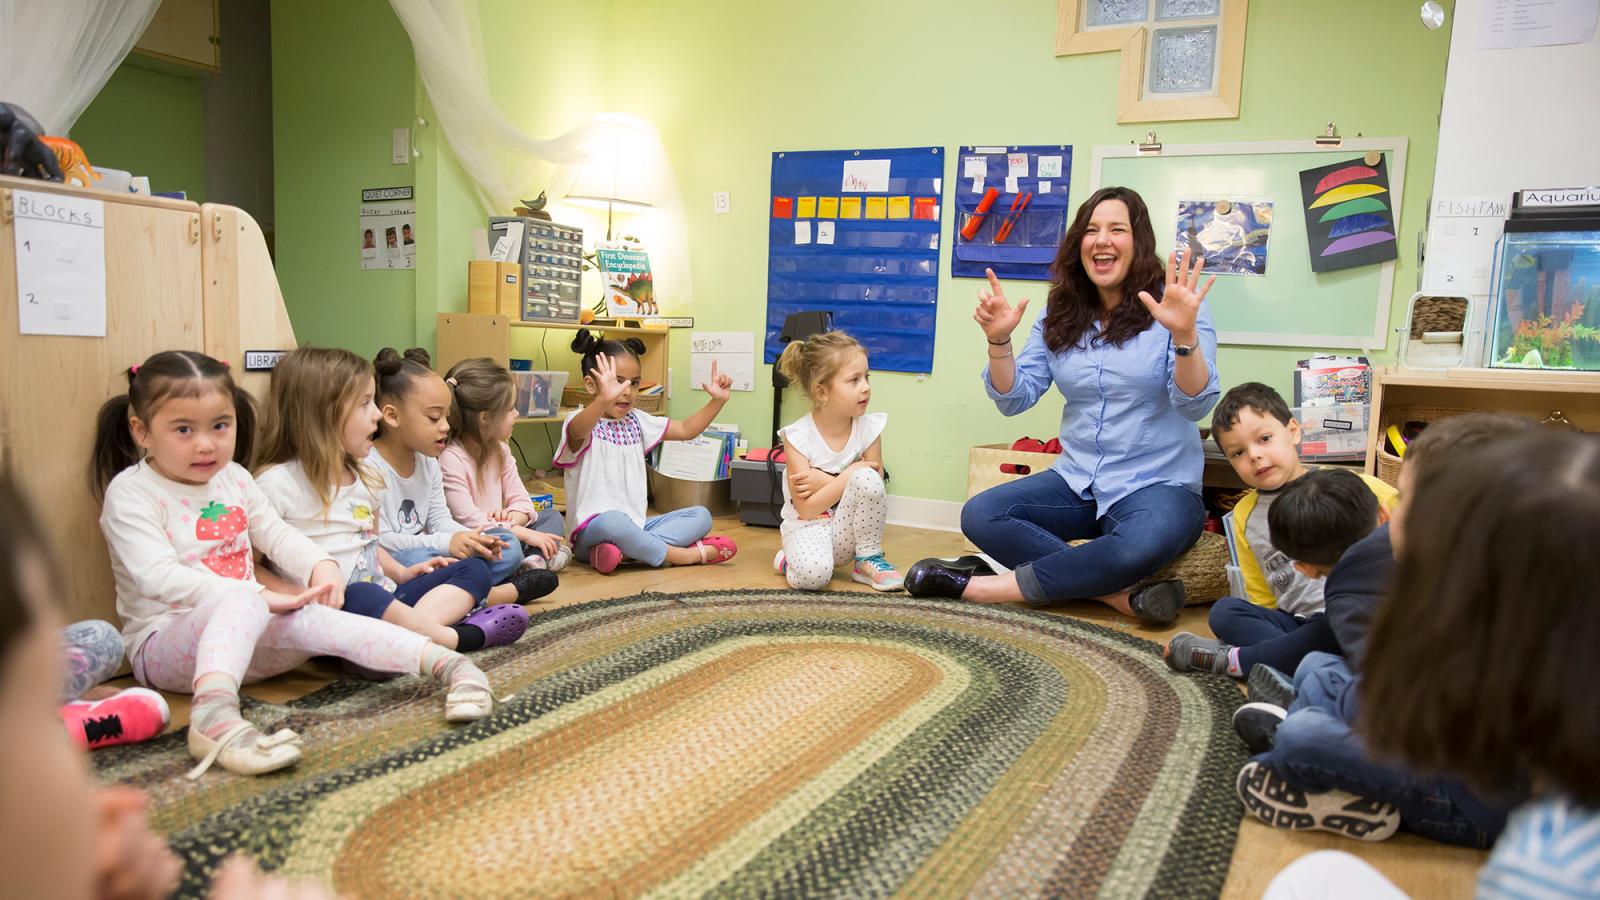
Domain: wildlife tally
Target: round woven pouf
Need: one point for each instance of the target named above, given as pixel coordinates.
(747, 743)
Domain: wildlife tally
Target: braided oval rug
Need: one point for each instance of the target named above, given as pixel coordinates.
(745, 743)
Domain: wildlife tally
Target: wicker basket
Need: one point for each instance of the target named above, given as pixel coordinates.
(578, 396)
(1201, 567)
(1437, 314)
(1388, 463)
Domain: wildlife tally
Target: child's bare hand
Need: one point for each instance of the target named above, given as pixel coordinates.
(501, 515)
(427, 567)
(328, 574)
(286, 603)
(719, 385)
(868, 464)
(131, 862)
(805, 483)
(239, 879)
(608, 388)
(546, 544)
(475, 543)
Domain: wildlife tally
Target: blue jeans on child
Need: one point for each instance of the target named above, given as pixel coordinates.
(679, 528)
(367, 599)
(1317, 749)
(1026, 524)
(1270, 636)
(549, 521)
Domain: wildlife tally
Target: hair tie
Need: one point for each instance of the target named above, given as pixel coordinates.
(450, 381)
(224, 363)
(134, 369)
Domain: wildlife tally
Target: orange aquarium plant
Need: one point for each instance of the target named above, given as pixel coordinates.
(1546, 342)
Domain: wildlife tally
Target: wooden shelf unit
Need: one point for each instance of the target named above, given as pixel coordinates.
(470, 335)
(1534, 393)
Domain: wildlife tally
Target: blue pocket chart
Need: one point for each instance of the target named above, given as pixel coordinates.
(856, 233)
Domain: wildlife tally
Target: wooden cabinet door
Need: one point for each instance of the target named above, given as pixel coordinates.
(185, 32)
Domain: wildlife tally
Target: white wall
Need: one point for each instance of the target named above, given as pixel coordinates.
(1512, 119)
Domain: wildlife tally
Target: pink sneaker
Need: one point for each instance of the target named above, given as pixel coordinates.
(134, 715)
(875, 572)
(605, 558)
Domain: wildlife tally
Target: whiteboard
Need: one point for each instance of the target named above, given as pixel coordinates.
(1511, 119)
(1290, 306)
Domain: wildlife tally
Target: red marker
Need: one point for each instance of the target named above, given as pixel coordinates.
(970, 230)
(1011, 218)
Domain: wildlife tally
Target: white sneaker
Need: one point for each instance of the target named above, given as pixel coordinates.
(780, 563)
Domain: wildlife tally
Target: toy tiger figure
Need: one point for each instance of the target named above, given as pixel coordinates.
(74, 164)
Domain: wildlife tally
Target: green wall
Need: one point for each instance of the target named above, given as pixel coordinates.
(149, 123)
(728, 82)
(342, 79)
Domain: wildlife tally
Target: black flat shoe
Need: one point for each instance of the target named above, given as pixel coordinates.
(971, 564)
(932, 578)
(1158, 603)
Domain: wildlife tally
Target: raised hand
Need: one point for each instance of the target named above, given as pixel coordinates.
(719, 385)
(607, 389)
(1179, 307)
(997, 317)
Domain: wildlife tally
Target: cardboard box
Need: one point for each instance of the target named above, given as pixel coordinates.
(494, 288)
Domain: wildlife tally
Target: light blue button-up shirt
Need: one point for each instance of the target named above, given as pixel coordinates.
(1127, 425)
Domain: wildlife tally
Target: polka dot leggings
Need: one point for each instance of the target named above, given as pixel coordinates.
(815, 547)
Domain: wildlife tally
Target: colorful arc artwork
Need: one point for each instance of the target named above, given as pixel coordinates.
(1349, 215)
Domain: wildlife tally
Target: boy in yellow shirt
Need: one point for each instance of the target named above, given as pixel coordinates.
(1281, 618)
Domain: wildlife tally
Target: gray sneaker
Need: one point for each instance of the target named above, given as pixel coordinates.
(1268, 685)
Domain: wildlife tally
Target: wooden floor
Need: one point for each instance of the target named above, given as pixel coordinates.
(1420, 867)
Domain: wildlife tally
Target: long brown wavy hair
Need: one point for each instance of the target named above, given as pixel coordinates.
(1074, 302)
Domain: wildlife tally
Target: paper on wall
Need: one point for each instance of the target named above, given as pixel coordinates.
(824, 232)
(61, 264)
(1017, 165)
(802, 232)
(734, 352)
(1049, 167)
(1506, 24)
(974, 167)
(865, 176)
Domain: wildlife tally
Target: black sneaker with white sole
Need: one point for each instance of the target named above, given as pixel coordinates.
(1257, 725)
(1270, 798)
(1268, 685)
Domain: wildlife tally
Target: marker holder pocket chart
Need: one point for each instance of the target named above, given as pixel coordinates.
(1018, 197)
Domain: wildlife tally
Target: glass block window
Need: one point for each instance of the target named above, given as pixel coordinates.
(1167, 10)
(1183, 60)
(1116, 12)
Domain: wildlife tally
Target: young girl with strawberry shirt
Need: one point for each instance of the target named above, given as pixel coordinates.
(183, 519)
(602, 450)
(318, 432)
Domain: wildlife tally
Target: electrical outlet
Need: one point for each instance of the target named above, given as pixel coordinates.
(720, 203)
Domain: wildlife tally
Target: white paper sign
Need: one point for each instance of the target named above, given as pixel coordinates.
(1468, 208)
(977, 185)
(802, 232)
(1011, 184)
(1504, 24)
(1017, 165)
(824, 232)
(61, 264)
(1049, 167)
(974, 167)
(734, 351)
(388, 226)
(864, 176)
(1044, 187)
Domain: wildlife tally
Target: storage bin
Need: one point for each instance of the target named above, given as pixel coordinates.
(1388, 463)
(539, 393)
(1333, 433)
(760, 499)
(668, 493)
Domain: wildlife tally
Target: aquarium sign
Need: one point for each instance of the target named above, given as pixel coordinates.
(1585, 196)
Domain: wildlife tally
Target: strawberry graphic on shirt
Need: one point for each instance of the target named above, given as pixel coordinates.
(231, 557)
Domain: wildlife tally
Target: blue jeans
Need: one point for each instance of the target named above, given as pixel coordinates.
(1270, 636)
(679, 528)
(1026, 524)
(511, 555)
(367, 599)
(1317, 750)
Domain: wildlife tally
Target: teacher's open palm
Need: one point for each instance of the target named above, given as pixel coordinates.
(997, 317)
(1179, 306)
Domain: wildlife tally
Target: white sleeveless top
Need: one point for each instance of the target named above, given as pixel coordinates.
(802, 435)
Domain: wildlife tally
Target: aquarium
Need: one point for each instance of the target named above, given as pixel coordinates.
(1545, 309)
